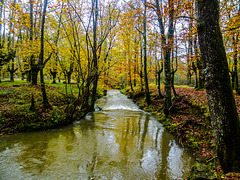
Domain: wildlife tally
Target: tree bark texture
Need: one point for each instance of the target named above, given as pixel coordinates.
(224, 116)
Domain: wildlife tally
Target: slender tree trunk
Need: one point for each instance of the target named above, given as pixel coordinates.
(172, 84)
(224, 116)
(189, 76)
(11, 71)
(167, 65)
(235, 65)
(94, 51)
(141, 65)
(46, 104)
(135, 64)
(194, 67)
(147, 93)
(1, 13)
(166, 52)
(33, 73)
(129, 63)
(0, 74)
(159, 72)
(69, 74)
(130, 74)
(200, 83)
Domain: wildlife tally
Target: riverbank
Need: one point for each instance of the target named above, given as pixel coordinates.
(16, 99)
(190, 124)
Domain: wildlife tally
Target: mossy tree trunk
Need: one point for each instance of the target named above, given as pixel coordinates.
(167, 64)
(224, 116)
(166, 51)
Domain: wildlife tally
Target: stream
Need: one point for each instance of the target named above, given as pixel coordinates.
(117, 142)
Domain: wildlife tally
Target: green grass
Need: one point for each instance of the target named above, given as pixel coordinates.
(16, 97)
(11, 84)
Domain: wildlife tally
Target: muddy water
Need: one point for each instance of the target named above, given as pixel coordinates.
(119, 141)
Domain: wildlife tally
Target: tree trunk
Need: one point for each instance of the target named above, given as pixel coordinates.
(167, 64)
(141, 65)
(189, 76)
(166, 52)
(129, 66)
(172, 83)
(34, 73)
(224, 116)
(159, 83)
(46, 104)
(200, 83)
(12, 70)
(69, 74)
(94, 51)
(54, 75)
(235, 64)
(200, 79)
(147, 93)
(0, 74)
(194, 67)
(29, 76)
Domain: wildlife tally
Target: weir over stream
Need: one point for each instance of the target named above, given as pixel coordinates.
(118, 141)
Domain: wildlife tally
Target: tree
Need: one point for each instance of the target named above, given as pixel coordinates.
(147, 93)
(46, 104)
(96, 26)
(224, 116)
(166, 43)
(7, 49)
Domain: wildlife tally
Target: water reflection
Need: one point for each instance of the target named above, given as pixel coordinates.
(123, 143)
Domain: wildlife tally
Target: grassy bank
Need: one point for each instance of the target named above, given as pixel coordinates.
(15, 103)
(190, 124)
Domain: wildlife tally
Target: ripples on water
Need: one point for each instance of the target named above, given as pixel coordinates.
(119, 142)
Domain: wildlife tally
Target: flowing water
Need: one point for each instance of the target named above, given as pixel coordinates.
(119, 141)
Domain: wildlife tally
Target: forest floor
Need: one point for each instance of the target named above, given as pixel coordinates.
(190, 124)
(15, 103)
